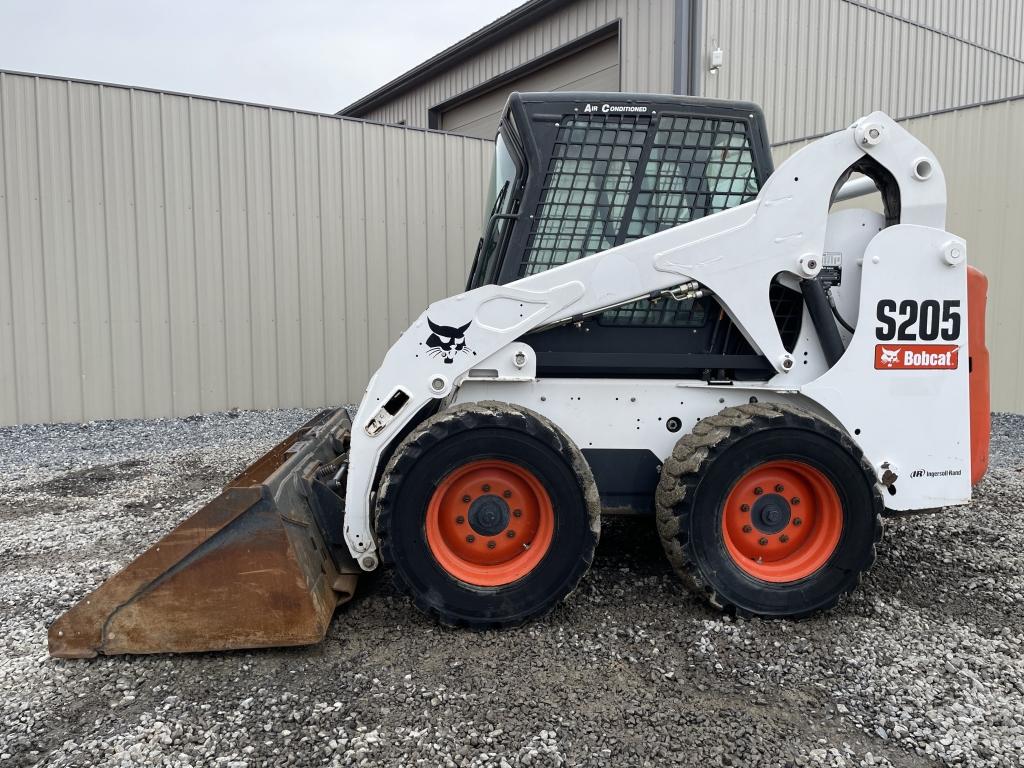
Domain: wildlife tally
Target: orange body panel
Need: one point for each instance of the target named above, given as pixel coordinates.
(977, 294)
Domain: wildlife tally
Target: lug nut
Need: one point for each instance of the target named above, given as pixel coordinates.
(779, 488)
(758, 491)
(460, 519)
(795, 500)
(747, 529)
(762, 541)
(466, 499)
(486, 487)
(783, 538)
(471, 538)
(510, 533)
(744, 507)
(797, 521)
(507, 494)
(517, 513)
(491, 544)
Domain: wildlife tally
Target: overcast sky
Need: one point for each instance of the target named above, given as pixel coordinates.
(310, 54)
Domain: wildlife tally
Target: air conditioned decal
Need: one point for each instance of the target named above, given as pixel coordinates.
(615, 108)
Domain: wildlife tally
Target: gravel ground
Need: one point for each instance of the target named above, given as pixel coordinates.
(922, 666)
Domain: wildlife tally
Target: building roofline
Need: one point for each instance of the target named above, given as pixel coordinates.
(514, 20)
(218, 100)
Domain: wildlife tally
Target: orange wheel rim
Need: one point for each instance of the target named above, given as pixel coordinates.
(489, 523)
(782, 521)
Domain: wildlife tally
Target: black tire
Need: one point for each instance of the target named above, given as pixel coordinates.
(708, 463)
(454, 438)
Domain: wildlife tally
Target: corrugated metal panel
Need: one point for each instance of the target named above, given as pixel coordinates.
(993, 24)
(815, 65)
(163, 254)
(984, 197)
(646, 51)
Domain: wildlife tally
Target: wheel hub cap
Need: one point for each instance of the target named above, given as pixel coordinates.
(489, 515)
(770, 514)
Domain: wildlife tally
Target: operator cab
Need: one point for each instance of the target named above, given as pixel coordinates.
(579, 173)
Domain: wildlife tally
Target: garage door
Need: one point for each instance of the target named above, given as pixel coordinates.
(595, 68)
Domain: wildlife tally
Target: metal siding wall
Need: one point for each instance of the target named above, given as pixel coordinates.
(162, 255)
(816, 65)
(646, 50)
(995, 24)
(984, 199)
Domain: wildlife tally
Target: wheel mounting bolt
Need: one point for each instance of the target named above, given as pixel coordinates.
(471, 538)
(779, 488)
(460, 519)
(797, 521)
(747, 529)
(491, 544)
(507, 494)
(744, 507)
(762, 541)
(511, 534)
(783, 538)
(758, 491)
(795, 500)
(466, 499)
(486, 487)
(517, 513)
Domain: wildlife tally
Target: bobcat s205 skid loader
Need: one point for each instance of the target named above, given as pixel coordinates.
(657, 323)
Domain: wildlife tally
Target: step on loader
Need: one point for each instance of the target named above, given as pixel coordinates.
(656, 322)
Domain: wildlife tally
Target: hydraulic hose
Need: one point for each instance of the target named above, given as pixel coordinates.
(824, 324)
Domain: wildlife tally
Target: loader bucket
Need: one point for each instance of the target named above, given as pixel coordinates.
(262, 565)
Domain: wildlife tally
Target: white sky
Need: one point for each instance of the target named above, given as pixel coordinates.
(319, 55)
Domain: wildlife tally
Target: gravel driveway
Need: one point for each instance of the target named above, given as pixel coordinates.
(923, 665)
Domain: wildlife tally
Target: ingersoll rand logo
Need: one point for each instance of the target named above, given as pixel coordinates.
(915, 356)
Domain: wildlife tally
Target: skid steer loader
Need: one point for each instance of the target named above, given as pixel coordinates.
(656, 322)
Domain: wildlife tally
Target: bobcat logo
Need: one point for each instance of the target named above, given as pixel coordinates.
(890, 356)
(447, 341)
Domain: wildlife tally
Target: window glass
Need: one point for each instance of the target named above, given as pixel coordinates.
(499, 201)
(503, 174)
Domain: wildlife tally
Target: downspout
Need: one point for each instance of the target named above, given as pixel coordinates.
(686, 65)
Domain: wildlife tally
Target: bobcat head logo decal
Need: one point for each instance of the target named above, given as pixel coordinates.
(890, 356)
(447, 341)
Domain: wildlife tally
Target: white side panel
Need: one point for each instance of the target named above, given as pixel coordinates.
(622, 413)
(912, 422)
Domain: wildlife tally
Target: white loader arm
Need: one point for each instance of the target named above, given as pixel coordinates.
(735, 254)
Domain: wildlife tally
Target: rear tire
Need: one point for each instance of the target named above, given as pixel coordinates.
(767, 510)
(489, 515)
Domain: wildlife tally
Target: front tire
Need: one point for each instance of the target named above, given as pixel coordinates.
(768, 510)
(488, 514)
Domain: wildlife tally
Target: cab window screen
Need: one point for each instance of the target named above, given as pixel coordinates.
(586, 189)
(695, 167)
(613, 179)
